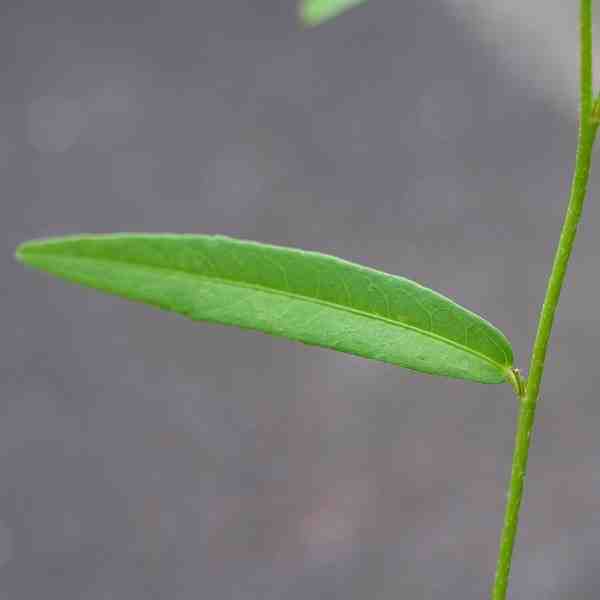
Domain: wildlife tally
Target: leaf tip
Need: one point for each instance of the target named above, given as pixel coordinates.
(307, 15)
(21, 252)
(27, 252)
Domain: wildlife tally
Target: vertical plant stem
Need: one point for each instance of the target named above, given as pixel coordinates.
(528, 400)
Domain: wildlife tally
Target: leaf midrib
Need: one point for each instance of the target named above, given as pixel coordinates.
(257, 287)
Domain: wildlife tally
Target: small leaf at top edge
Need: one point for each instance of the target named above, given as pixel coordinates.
(315, 12)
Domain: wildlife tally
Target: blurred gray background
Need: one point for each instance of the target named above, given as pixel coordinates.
(144, 456)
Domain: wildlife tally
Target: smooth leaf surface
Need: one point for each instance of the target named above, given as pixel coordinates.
(315, 12)
(306, 296)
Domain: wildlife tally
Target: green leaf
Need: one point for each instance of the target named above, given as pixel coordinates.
(315, 12)
(306, 296)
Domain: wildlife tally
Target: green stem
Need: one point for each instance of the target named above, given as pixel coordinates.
(528, 400)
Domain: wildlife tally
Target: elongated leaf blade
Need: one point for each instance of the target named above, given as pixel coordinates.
(306, 296)
(315, 12)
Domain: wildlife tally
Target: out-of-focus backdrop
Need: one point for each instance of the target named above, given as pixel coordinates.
(145, 456)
